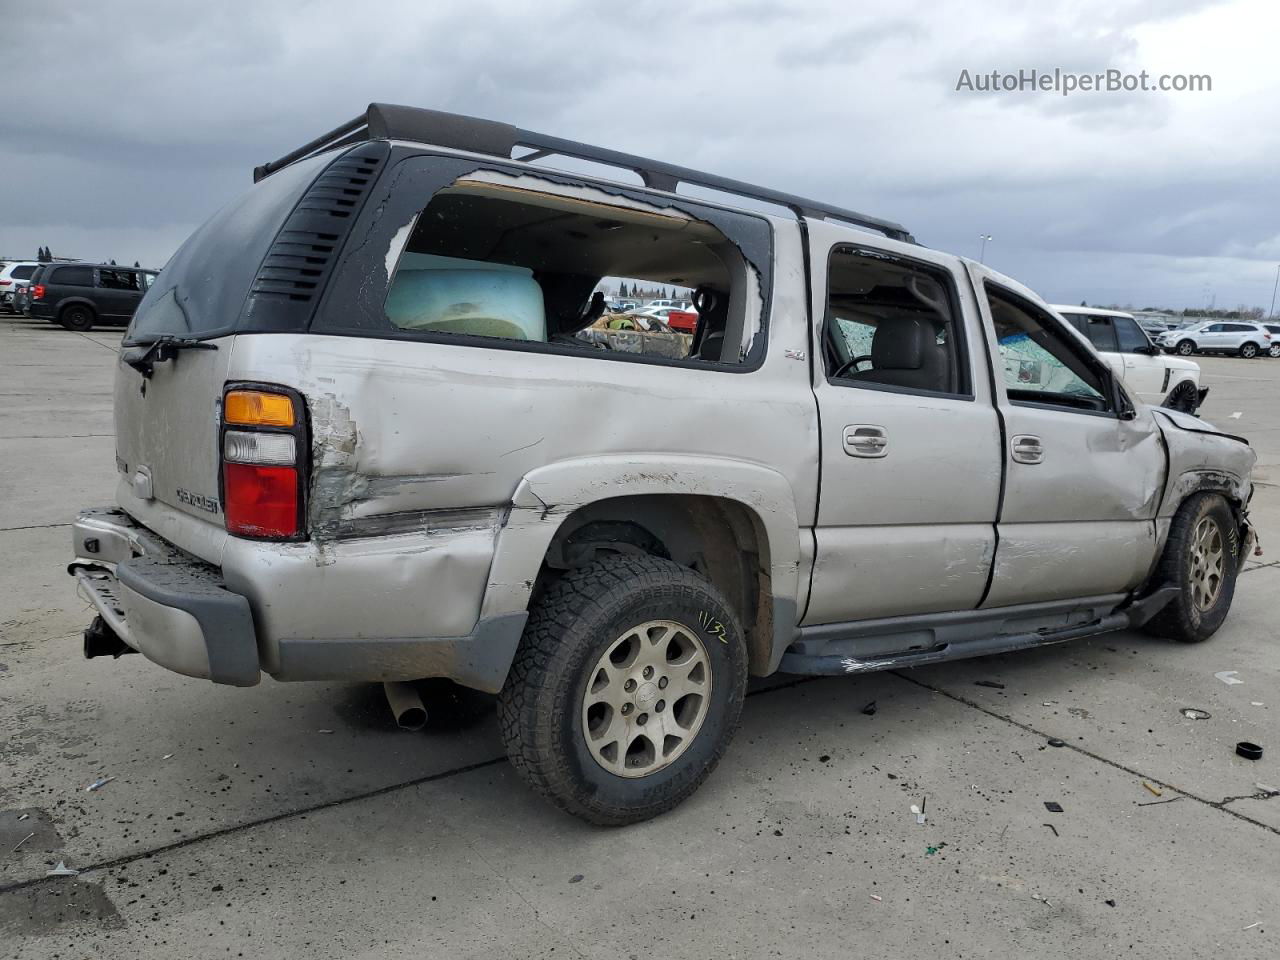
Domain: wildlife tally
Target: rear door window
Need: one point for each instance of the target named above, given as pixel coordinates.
(119, 280)
(1101, 332)
(23, 272)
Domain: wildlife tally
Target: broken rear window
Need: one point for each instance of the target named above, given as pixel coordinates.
(489, 259)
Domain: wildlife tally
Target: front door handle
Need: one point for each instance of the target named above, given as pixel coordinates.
(1028, 449)
(865, 440)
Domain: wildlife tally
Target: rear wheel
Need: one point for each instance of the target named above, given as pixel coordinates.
(626, 689)
(1201, 558)
(1183, 398)
(1186, 348)
(77, 318)
(1273, 350)
(1248, 350)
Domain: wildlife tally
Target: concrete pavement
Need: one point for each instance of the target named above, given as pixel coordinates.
(292, 818)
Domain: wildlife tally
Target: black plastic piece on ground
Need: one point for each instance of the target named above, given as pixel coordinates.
(1055, 742)
(1053, 806)
(1250, 751)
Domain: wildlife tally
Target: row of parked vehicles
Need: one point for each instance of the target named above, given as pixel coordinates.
(79, 296)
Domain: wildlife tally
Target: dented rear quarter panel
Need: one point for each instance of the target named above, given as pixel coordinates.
(405, 433)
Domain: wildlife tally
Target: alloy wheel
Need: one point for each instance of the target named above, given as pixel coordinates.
(1207, 559)
(646, 698)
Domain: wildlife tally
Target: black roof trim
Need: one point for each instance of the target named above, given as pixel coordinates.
(387, 121)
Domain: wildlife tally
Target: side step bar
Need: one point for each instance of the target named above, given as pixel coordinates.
(849, 661)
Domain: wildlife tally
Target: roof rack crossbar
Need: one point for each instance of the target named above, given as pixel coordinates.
(395, 122)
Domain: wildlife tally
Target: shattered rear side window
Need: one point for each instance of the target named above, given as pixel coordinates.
(497, 261)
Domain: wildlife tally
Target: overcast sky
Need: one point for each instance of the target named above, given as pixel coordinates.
(125, 125)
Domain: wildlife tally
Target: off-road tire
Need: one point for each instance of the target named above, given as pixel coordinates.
(1183, 398)
(576, 621)
(1185, 348)
(1248, 350)
(77, 318)
(1182, 619)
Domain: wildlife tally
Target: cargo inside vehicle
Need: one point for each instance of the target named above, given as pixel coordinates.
(495, 261)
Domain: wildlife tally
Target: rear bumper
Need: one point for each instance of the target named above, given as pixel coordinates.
(172, 608)
(181, 613)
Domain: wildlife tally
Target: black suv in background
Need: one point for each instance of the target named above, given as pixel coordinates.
(79, 295)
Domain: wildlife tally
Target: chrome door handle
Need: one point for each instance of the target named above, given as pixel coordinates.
(865, 440)
(1027, 449)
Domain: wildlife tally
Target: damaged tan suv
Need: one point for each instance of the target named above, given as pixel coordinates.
(370, 426)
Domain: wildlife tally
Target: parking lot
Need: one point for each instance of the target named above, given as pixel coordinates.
(284, 819)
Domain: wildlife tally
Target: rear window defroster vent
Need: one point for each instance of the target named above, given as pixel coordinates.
(298, 264)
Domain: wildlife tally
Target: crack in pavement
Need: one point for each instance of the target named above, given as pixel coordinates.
(34, 526)
(1261, 566)
(1216, 805)
(303, 811)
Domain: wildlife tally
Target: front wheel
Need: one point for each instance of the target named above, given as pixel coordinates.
(626, 689)
(1249, 350)
(1201, 558)
(1186, 348)
(1184, 398)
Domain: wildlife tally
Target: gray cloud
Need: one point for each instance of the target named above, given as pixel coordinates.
(151, 116)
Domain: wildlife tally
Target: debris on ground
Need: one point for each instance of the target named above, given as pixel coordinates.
(1051, 827)
(1053, 806)
(825, 758)
(931, 850)
(166, 756)
(98, 784)
(989, 683)
(919, 811)
(1048, 703)
(23, 817)
(1252, 925)
(62, 870)
(22, 841)
(1156, 803)
(1195, 713)
(1109, 903)
(1237, 415)
(1228, 676)
(1055, 742)
(324, 731)
(1269, 791)
(1250, 751)
(875, 898)
(870, 709)
(1044, 900)
(576, 878)
(1154, 790)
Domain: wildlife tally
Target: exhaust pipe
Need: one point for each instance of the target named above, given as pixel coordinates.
(406, 705)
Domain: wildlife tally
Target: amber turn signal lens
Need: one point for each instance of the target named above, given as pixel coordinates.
(253, 408)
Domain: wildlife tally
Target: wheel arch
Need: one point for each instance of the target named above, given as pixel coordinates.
(735, 522)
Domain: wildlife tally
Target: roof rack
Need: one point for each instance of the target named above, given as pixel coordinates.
(387, 121)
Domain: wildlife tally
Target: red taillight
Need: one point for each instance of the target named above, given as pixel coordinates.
(261, 501)
(5, 283)
(37, 292)
(263, 441)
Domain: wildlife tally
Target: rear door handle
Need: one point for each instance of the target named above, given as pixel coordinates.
(1027, 449)
(865, 440)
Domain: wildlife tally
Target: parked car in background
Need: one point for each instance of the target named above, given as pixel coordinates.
(11, 274)
(931, 465)
(683, 321)
(677, 304)
(1155, 378)
(1218, 336)
(82, 295)
(644, 316)
(1274, 330)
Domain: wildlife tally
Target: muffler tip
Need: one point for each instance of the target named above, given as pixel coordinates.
(406, 705)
